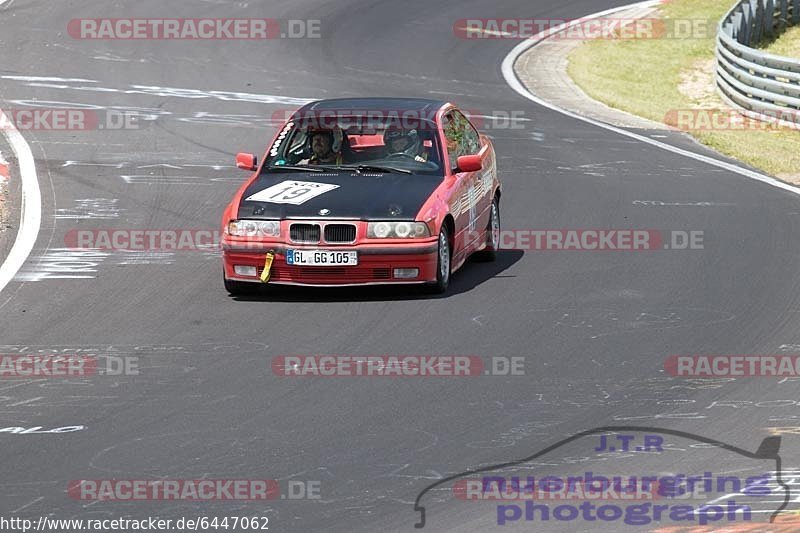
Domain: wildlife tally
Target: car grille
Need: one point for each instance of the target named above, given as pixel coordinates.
(304, 233)
(356, 274)
(381, 273)
(340, 233)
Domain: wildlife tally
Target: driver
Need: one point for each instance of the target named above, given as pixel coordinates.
(325, 148)
(399, 141)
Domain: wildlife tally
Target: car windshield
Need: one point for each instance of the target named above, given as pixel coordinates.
(386, 144)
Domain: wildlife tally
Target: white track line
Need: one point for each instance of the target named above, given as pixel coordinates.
(512, 80)
(31, 207)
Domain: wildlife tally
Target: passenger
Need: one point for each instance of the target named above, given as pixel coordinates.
(399, 141)
(325, 148)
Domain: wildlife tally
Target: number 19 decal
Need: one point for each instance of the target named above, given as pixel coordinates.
(292, 192)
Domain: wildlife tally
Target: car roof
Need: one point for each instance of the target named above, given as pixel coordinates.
(422, 105)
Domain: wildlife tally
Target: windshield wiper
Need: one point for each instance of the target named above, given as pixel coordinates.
(375, 168)
(297, 168)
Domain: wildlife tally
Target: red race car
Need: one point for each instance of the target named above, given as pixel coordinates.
(364, 191)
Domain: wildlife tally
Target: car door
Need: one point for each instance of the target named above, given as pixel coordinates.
(482, 181)
(464, 201)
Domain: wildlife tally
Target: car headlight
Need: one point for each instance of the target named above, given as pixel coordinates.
(397, 230)
(254, 228)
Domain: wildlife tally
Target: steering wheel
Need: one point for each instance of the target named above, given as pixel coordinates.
(398, 155)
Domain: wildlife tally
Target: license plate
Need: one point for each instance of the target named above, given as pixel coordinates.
(321, 258)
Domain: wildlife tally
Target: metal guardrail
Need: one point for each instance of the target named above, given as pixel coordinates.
(765, 86)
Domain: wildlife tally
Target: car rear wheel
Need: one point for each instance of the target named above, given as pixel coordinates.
(489, 253)
(443, 263)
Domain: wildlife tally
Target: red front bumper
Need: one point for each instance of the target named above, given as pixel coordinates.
(376, 264)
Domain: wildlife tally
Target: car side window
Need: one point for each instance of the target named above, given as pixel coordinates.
(294, 149)
(462, 137)
(470, 141)
(453, 137)
(297, 142)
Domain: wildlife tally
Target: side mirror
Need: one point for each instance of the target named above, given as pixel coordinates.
(246, 161)
(469, 163)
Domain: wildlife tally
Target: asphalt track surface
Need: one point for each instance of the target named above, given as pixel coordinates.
(594, 327)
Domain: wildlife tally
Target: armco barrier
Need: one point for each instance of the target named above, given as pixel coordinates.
(765, 86)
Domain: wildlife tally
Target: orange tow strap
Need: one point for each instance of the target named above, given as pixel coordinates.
(267, 267)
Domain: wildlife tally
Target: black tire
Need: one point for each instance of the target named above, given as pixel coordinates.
(239, 288)
(489, 253)
(444, 264)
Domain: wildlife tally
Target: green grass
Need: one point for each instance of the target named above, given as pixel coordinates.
(643, 76)
(787, 44)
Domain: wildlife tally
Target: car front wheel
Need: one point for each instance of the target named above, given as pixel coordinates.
(489, 253)
(443, 263)
(238, 288)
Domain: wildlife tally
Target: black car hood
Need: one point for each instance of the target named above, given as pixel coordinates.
(358, 196)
